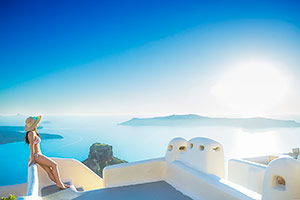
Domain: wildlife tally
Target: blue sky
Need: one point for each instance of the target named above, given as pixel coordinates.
(149, 57)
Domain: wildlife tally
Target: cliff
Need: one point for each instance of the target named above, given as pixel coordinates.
(100, 156)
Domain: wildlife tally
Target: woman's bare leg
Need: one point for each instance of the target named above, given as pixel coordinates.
(41, 159)
(49, 172)
(52, 175)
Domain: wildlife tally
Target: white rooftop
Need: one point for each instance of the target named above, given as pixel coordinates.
(192, 169)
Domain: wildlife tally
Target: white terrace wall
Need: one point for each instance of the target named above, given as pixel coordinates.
(202, 154)
(196, 168)
(175, 146)
(33, 184)
(134, 173)
(246, 173)
(201, 186)
(199, 153)
(74, 171)
(282, 180)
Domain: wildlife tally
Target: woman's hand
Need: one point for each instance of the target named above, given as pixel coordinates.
(31, 162)
(30, 158)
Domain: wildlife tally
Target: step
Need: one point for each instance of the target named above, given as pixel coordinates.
(53, 192)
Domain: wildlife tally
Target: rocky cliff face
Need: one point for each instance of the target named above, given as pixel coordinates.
(100, 156)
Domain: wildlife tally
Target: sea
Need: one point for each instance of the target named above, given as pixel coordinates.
(132, 143)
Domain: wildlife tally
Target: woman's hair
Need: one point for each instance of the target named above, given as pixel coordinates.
(26, 137)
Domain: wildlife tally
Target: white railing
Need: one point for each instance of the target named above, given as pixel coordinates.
(33, 184)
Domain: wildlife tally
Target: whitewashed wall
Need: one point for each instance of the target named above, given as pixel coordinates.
(282, 180)
(33, 184)
(74, 171)
(195, 168)
(134, 172)
(246, 173)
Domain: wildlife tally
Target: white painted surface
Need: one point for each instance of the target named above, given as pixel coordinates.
(74, 171)
(33, 184)
(173, 150)
(203, 154)
(135, 172)
(193, 171)
(70, 170)
(264, 160)
(247, 174)
(200, 185)
(195, 168)
(289, 170)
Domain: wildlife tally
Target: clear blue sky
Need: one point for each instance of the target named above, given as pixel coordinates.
(145, 57)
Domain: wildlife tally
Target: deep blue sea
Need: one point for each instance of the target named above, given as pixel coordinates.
(132, 143)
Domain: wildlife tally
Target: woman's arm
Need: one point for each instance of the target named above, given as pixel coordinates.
(30, 138)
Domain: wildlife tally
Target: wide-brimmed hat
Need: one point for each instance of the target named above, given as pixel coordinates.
(32, 122)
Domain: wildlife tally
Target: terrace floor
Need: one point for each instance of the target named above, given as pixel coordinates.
(146, 191)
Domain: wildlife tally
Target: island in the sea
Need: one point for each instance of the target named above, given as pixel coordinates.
(9, 134)
(197, 120)
(46, 122)
(100, 156)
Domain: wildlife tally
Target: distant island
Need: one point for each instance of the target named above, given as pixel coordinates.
(46, 122)
(9, 134)
(197, 120)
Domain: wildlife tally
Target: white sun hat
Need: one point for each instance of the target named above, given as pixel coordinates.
(32, 122)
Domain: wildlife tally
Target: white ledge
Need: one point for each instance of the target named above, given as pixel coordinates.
(33, 184)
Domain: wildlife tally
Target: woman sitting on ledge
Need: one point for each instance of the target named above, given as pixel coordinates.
(33, 139)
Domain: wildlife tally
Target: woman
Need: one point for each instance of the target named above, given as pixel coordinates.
(33, 139)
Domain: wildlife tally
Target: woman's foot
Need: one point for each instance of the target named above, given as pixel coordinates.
(62, 187)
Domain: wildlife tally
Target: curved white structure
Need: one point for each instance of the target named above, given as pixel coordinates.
(194, 168)
(71, 170)
(282, 179)
(33, 184)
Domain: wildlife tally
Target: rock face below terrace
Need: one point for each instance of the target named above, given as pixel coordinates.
(100, 156)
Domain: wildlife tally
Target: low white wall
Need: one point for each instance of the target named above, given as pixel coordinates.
(33, 184)
(174, 148)
(282, 180)
(192, 182)
(134, 172)
(200, 185)
(199, 153)
(264, 160)
(247, 174)
(193, 167)
(74, 171)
